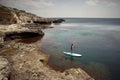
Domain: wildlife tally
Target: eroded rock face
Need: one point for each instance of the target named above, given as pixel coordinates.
(6, 17)
(22, 34)
(12, 32)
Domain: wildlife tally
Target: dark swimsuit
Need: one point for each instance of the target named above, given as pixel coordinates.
(71, 47)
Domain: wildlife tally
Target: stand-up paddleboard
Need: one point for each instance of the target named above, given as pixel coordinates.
(72, 54)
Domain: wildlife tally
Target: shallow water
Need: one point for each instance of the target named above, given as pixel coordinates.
(98, 40)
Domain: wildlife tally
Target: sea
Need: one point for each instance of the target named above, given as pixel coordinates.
(97, 39)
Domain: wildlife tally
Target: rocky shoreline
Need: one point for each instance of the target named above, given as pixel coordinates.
(20, 61)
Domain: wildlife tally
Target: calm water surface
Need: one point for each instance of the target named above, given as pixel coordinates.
(98, 40)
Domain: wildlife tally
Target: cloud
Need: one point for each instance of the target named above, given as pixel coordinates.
(101, 3)
(109, 3)
(92, 2)
(42, 3)
(32, 3)
(70, 8)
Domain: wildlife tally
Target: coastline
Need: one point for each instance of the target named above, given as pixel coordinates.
(26, 61)
(23, 61)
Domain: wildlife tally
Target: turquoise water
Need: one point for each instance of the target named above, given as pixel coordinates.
(98, 40)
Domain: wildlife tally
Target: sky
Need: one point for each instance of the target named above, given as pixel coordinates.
(68, 8)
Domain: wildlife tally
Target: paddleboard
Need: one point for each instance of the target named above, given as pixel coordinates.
(72, 54)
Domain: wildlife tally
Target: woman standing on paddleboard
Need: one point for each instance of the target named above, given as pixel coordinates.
(71, 48)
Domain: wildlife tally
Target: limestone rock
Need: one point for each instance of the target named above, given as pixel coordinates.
(12, 16)
(6, 17)
(22, 34)
(15, 31)
(75, 74)
(4, 69)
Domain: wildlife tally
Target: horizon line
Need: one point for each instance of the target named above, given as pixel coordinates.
(88, 17)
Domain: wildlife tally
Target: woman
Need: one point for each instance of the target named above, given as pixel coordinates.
(71, 48)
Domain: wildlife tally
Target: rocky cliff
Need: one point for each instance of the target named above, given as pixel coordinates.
(12, 16)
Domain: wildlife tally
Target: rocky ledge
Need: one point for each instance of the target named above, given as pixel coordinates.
(20, 61)
(12, 32)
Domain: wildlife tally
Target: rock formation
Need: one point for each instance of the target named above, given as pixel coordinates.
(6, 17)
(22, 34)
(58, 20)
(12, 32)
(4, 69)
(12, 15)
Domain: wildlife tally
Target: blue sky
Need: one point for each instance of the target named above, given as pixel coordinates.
(68, 8)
